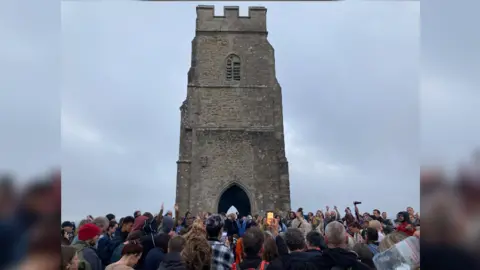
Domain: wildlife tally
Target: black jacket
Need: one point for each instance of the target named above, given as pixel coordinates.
(231, 227)
(255, 261)
(172, 261)
(298, 261)
(147, 243)
(338, 257)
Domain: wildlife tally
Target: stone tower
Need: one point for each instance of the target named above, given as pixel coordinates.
(232, 149)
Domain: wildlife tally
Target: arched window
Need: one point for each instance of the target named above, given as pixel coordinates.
(233, 68)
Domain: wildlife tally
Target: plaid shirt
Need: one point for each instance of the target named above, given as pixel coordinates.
(222, 255)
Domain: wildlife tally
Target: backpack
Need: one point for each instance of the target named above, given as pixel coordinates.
(150, 226)
(82, 263)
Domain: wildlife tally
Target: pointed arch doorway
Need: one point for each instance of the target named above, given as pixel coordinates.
(237, 197)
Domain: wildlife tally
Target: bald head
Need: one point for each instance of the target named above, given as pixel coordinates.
(335, 234)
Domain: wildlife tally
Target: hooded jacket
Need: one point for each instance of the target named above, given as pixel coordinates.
(338, 257)
(172, 261)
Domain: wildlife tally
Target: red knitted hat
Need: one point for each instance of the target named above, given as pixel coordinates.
(88, 231)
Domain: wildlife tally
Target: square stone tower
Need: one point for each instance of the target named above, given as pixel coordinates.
(232, 148)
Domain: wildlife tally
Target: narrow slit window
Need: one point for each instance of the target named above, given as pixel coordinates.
(233, 68)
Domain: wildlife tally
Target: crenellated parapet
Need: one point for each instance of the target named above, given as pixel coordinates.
(256, 21)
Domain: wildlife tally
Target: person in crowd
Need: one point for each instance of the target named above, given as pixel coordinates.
(371, 240)
(405, 224)
(253, 240)
(187, 220)
(197, 228)
(173, 259)
(105, 241)
(250, 223)
(120, 237)
(156, 255)
(139, 223)
(69, 258)
(377, 216)
(82, 222)
(110, 217)
(149, 230)
(102, 223)
(137, 213)
(386, 220)
(337, 255)
(377, 226)
(390, 240)
(300, 223)
(290, 218)
(131, 253)
(197, 253)
(222, 255)
(167, 225)
(179, 226)
(242, 225)
(364, 254)
(132, 238)
(231, 224)
(270, 255)
(88, 236)
(281, 225)
(296, 258)
(309, 217)
(348, 218)
(315, 243)
(355, 231)
(67, 233)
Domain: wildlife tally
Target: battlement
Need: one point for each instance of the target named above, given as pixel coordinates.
(231, 21)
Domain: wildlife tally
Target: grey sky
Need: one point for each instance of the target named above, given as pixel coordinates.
(349, 72)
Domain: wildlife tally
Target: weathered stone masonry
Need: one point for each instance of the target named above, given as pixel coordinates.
(232, 130)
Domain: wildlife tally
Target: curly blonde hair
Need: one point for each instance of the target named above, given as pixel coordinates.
(197, 253)
(197, 229)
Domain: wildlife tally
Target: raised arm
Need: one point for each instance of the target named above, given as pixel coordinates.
(160, 215)
(177, 213)
(339, 217)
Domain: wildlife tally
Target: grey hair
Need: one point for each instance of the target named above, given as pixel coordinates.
(335, 233)
(101, 222)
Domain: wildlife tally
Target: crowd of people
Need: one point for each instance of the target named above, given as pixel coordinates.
(293, 240)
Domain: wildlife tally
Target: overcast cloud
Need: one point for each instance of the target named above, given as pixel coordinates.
(350, 77)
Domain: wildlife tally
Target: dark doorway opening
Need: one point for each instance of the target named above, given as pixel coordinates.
(237, 197)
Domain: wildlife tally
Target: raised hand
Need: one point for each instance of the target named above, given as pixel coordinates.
(176, 207)
(161, 207)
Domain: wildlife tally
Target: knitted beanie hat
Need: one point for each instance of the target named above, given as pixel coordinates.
(88, 231)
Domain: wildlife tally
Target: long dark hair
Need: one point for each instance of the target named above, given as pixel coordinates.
(406, 217)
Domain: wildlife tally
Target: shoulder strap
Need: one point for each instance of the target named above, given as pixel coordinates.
(299, 224)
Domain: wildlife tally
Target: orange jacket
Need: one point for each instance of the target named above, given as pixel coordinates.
(239, 251)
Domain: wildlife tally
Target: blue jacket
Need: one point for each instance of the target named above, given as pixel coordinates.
(104, 249)
(154, 258)
(242, 227)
